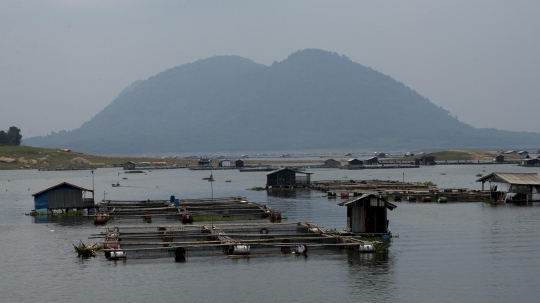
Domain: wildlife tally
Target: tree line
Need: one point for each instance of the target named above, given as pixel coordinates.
(11, 137)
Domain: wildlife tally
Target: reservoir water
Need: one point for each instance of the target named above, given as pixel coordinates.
(455, 252)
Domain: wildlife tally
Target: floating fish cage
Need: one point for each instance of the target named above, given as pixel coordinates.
(185, 210)
(235, 240)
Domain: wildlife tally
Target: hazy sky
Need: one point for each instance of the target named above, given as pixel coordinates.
(63, 61)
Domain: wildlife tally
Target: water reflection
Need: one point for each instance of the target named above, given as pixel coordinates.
(289, 193)
(371, 275)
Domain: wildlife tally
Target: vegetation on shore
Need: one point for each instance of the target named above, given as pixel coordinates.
(25, 157)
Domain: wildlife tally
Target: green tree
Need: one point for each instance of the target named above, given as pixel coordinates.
(3, 138)
(14, 136)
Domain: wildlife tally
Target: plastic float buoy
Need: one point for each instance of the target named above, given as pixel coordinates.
(397, 197)
(276, 216)
(426, 199)
(263, 231)
(117, 254)
(239, 249)
(301, 249)
(344, 195)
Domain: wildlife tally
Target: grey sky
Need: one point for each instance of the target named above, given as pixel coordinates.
(63, 61)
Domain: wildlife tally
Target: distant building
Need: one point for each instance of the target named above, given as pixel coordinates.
(129, 165)
(530, 162)
(239, 163)
(332, 163)
(287, 178)
(372, 160)
(224, 163)
(64, 196)
(425, 160)
(355, 164)
(367, 214)
(159, 163)
(499, 159)
(205, 162)
(380, 155)
(409, 154)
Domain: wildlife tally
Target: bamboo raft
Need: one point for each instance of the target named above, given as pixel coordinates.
(236, 240)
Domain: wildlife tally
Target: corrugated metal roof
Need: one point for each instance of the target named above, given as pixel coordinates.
(59, 184)
(512, 178)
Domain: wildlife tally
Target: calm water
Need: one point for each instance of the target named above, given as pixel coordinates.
(469, 252)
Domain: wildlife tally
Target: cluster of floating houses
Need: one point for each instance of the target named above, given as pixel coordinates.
(239, 228)
(170, 227)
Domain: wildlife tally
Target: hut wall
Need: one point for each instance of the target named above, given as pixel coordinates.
(41, 201)
(368, 219)
(283, 178)
(65, 198)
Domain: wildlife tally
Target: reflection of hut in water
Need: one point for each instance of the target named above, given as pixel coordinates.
(513, 187)
(63, 196)
(366, 214)
(287, 178)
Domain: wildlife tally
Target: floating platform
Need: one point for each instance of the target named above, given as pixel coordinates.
(185, 210)
(236, 240)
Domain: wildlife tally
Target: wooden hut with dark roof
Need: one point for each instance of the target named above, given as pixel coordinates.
(355, 164)
(367, 215)
(63, 196)
(425, 160)
(332, 163)
(499, 159)
(129, 165)
(239, 163)
(287, 178)
(372, 160)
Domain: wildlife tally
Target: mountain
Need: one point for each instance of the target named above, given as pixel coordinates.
(314, 99)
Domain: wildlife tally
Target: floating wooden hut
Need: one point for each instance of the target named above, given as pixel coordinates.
(129, 165)
(425, 160)
(65, 197)
(513, 187)
(499, 159)
(332, 163)
(372, 160)
(355, 164)
(288, 178)
(239, 163)
(366, 215)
